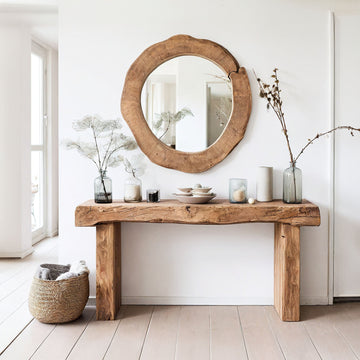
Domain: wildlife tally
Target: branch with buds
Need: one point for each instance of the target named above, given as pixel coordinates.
(271, 93)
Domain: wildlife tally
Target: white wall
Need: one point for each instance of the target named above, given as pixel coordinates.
(163, 263)
(15, 45)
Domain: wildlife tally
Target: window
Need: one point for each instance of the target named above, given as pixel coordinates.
(38, 141)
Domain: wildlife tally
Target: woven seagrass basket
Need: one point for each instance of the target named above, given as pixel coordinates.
(55, 302)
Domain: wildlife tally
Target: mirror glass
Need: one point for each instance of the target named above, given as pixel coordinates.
(187, 103)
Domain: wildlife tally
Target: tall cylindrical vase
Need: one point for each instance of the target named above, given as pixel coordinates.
(264, 183)
(292, 185)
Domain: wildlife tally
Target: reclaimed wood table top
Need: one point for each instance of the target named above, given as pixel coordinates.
(215, 212)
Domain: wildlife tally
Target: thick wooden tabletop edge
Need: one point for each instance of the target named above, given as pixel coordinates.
(216, 202)
(222, 211)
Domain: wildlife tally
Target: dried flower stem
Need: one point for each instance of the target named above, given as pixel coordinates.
(272, 96)
(310, 141)
(99, 167)
(108, 148)
(107, 141)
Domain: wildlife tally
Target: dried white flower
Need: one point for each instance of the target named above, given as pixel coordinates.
(108, 141)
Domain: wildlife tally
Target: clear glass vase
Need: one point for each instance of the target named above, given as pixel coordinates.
(133, 190)
(292, 185)
(102, 188)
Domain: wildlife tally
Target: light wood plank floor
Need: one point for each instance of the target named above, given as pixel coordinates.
(169, 332)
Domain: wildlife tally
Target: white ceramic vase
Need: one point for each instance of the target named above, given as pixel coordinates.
(264, 183)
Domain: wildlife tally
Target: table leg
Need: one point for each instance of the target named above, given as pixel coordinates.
(287, 272)
(108, 270)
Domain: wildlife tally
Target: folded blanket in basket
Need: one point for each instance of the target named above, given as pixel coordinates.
(61, 272)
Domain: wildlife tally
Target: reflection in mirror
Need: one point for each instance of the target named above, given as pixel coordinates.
(187, 103)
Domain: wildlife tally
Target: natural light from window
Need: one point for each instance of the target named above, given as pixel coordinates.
(37, 142)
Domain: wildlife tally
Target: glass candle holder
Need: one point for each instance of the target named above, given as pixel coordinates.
(132, 190)
(153, 195)
(238, 191)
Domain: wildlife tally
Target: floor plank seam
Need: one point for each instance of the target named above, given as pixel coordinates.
(177, 334)
(345, 340)
(26, 264)
(13, 312)
(307, 332)
(77, 340)
(16, 336)
(210, 336)
(13, 275)
(42, 342)
(273, 333)
(112, 338)
(11, 292)
(242, 332)
(147, 331)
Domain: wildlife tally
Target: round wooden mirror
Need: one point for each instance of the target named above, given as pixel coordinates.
(148, 115)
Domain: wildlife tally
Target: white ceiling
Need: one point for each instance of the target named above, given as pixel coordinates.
(40, 15)
(30, 2)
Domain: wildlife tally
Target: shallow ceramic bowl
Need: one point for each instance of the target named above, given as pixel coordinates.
(195, 199)
(201, 190)
(183, 194)
(203, 195)
(185, 189)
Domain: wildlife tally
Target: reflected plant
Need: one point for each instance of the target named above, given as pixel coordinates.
(107, 143)
(225, 79)
(223, 104)
(166, 119)
(223, 109)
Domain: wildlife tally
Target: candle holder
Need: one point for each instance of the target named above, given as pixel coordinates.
(132, 190)
(238, 191)
(153, 195)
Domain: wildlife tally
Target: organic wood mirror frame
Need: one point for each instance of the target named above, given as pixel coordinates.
(155, 149)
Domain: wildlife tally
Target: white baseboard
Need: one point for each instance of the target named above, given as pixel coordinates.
(16, 254)
(52, 233)
(179, 300)
(314, 300)
(91, 301)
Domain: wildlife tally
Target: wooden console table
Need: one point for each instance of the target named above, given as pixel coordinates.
(287, 219)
